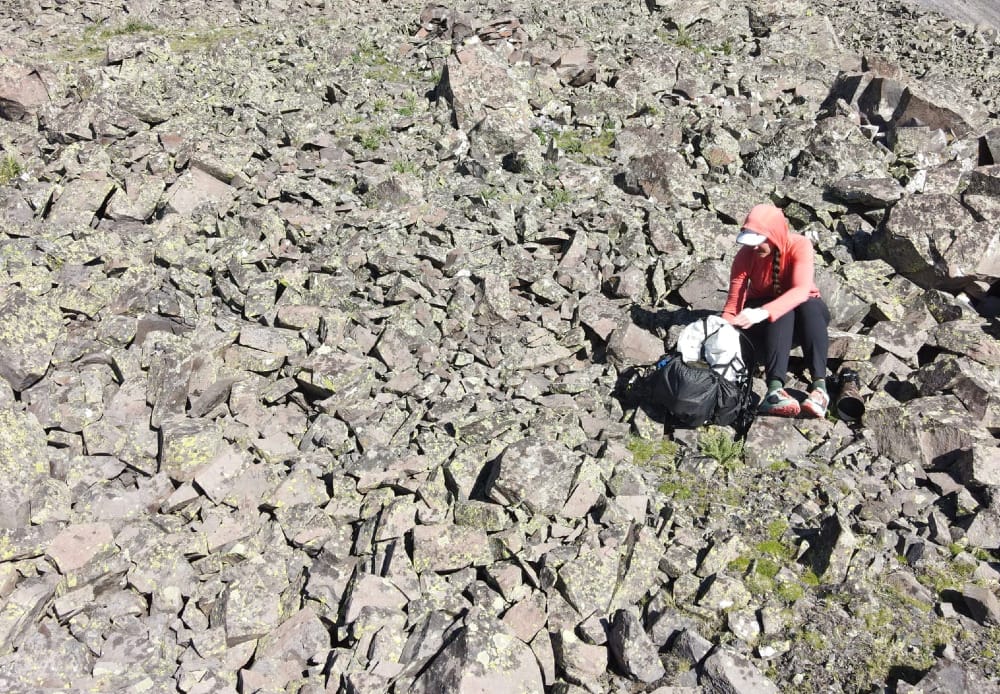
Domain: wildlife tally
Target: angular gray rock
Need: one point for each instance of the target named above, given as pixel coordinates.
(979, 466)
(483, 656)
(23, 457)
(725, 672)
(632, 648)
(29, 330)
(488, 104)
(23, 91)
(533, 474)
(830, 552)
(935, 241)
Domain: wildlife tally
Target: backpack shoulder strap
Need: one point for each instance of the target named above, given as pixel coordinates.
(704, 340)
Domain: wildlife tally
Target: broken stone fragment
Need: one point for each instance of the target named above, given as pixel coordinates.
(979, 466)
(928, 431)
(664, 177)
(22, 91)
(582, 663)
(301, 637)
(482, 657)
(26, 542)
(949, 676)
(934, 241)
(722, 592)
(250, 605)
(586, 581)
(725, 671)
(188, 445)
(75, 546)
(963, 337)
(983, 604)
(535, 474)
(23, 461)
(629, 344)
(642, 553)
(29, 330)
(983, 529)
(830, 552)
(526, 617)
(878, 192)
(80, 200)
(632, 648)
(196, 188)
(449, 547)
(488, 105)
(326, 372)
(21, 609)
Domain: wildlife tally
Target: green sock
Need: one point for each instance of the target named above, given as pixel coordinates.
(818, 384)
(774, 385)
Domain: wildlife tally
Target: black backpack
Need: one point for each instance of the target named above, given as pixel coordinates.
(694, 393)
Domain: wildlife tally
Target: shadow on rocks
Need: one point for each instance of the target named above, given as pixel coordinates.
(659, 321)
(634, 386)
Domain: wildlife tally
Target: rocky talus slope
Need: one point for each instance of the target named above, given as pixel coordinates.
(312, 314)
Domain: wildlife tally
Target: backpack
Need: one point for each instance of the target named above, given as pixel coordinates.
(709, 386)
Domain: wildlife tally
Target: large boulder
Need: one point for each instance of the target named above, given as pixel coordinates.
(488, 105)
(22, 91)
(896, 100)
(935, 241)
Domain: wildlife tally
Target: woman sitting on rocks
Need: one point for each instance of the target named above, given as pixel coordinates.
(774, 298)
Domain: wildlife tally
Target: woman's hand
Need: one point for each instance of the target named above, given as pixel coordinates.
(750, 316)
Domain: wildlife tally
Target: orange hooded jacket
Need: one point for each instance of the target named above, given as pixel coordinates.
(750, 277)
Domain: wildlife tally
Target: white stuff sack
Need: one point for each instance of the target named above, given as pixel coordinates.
(720, 350)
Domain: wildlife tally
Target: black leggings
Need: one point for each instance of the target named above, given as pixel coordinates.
(806, 325)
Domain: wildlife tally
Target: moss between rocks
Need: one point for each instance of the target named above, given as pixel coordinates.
(657, 454)
(10, 168)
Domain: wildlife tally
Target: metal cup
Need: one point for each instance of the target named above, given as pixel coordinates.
(849, 407)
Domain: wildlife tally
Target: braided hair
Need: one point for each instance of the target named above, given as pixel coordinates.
(776, 271)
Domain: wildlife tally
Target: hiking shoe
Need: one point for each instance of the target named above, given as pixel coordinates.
(779, 404)
(815, 405)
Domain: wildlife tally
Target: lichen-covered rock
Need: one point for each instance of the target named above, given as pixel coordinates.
(449, 547)
(484, 656)
(934, 241)
(194, 189)
(724, 671)
(488, 104)
(925, 431)
(632, 648)
(979, 466)
(586, 581)
(29, 330)
(78, 544)
(664, 177)
(534, 474)
(23, 460)
(872, 192)
(250, 606)
(187, 446)
(631, 344)
(21, 608)
(830, 553)
(80, 200)
(23, 91)
(581, 662)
